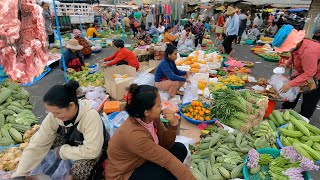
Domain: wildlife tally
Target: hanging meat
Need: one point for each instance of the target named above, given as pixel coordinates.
(22, 39)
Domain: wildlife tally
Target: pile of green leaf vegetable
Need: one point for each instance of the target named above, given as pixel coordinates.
(242, 110)
(16, 115)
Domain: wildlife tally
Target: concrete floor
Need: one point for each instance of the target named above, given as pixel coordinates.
(262, 69)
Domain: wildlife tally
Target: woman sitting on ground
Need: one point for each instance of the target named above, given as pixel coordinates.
(73, 58)
(168, 38)
(143, 36)
(122, 56)
(142, 148)
(167, 76)
(86, 50)
(73, 130)
(92, 32)
(254, 33)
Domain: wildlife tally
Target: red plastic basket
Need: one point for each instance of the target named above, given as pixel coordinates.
(271, 106)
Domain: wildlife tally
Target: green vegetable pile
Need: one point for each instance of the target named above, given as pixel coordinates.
(16, 115)
(304, 137)
(220, 154)
(85, 79)
(241, 110)
(270, 56)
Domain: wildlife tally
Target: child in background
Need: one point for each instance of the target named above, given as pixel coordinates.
(207, 27)
(218, 43)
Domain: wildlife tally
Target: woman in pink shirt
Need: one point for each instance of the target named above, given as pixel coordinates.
(305, 60)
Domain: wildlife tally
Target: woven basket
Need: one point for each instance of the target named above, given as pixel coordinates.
(219, 30)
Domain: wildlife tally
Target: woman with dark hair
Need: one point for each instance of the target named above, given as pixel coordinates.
(167, 76)
(142, 148)
(122, 56)
(75, 132)
(142, 37)
(48, 23)
(168, 38)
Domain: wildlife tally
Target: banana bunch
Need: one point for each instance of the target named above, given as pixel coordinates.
(265, 130)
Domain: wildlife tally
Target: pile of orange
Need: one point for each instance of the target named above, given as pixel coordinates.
(193, 62)
(197, 111)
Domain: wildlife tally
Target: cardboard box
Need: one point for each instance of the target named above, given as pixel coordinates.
(117, 89)
(153, 64)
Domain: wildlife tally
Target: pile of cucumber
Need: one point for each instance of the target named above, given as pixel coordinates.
(220, 155)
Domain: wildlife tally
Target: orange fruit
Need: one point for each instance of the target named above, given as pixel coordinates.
(183, 109)
(194, 103)
(201, 113)
(200, 104)
(179, 62)
(196, 111)
(195, 65)
(194, 70)
(207, 111)
(188, 62)
(201, 118)
(190, 110)
(202, 62)
(207, 118)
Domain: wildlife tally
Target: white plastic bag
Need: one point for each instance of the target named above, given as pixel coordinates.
(188, 42)
(164, 96)
(53, 167)
(277, 81)
(144, 78)
(191, 91)
(244, 36)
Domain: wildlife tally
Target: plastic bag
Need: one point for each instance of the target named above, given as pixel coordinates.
(244, 36)
(188, 42)
(191, 91)
(277, 81)
(144, 78)
(164, 95)
(53, 167)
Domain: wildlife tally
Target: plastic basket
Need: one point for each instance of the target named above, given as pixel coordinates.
(195, 121)
(96, 51)
(271, 60)
(184, 55)
(274, 153)
(249, 41)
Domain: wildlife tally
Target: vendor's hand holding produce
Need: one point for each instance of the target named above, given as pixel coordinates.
(285, 88)
(197, 111)
(170, 116)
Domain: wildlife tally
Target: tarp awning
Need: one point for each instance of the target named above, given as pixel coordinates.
(297, 10)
